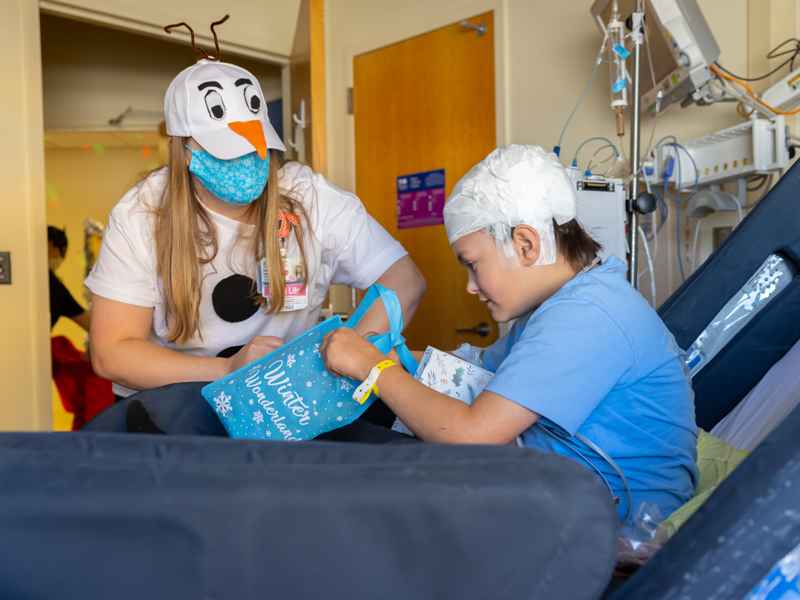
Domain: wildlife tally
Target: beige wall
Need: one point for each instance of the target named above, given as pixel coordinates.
(544, 53)
(24, 329)
(92, 73)
(264, 28)
(768, 24)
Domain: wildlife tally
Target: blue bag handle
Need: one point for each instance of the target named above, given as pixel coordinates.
(393, 338)
(390, 302)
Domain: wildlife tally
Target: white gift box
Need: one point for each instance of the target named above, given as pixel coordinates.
(449, 375)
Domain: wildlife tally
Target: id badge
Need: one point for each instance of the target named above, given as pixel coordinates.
(294, 271)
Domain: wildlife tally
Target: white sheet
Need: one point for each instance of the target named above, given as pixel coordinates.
(767, 404)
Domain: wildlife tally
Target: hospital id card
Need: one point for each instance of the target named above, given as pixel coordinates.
(296, 291)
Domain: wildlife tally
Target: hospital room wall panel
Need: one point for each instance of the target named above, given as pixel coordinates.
(767, 25)
(544, 58)
(783, 24)
(728, 22)
(24, 326)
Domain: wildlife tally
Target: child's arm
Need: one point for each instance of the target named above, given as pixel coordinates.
(431, 415)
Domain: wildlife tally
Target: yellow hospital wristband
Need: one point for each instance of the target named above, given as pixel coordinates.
(363, 391)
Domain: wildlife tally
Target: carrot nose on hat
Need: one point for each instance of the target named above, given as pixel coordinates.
(253, 132)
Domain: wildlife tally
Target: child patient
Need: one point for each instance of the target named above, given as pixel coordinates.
(587, 355)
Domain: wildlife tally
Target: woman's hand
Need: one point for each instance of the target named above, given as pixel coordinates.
(347, 353)
(259, 346)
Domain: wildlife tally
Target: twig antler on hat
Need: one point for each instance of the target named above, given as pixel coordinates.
(200, 50)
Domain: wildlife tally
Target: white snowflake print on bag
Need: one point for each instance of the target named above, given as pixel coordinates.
(223, 404)
(289, 394)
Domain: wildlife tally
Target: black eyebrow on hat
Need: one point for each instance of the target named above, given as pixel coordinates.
(243, 80)
(203, 86)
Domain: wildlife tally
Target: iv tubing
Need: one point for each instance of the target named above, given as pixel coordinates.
(592, 139)
(596, 64)
(752, 94)
(694, 245)
(649, 266)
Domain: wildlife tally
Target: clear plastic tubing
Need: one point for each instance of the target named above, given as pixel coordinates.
(765, 284)
(619, 87)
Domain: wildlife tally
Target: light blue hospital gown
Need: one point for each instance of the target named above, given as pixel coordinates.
(596, 359)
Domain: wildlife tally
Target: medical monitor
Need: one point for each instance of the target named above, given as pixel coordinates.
(682, 47)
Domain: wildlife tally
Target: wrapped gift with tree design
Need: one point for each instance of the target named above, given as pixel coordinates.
(449, 375)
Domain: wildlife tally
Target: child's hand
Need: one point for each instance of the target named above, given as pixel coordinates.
(346, 353)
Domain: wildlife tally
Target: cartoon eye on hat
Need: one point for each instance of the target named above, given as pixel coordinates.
(220, 105)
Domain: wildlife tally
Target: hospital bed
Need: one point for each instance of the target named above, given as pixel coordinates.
(753, 519)
(121, 516)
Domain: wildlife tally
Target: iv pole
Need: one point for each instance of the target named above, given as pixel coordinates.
(633, 188)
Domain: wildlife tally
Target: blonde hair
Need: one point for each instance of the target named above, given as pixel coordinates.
(186, 239)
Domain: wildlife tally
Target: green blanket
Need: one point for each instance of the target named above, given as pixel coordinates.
(716, 460)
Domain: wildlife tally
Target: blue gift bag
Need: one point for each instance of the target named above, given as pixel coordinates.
(289, 394)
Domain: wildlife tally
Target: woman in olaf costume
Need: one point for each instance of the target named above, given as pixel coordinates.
(176, 292)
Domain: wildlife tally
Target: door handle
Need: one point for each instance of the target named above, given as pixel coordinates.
(483, 329)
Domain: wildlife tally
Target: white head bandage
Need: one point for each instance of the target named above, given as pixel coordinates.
(514, 185)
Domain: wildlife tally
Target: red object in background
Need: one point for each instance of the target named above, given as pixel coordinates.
(82, 391)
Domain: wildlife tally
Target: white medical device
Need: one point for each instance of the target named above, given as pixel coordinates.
(784, 95)
(601, 211)
(755, 147)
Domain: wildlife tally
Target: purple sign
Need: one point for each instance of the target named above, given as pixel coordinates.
(420, 199)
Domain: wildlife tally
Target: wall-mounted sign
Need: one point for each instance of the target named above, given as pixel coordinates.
(420, 199)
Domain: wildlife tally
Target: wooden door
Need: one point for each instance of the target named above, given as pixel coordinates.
(424, 104)
(307, 75)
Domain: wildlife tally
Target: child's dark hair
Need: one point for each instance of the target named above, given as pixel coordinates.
(577, 246)
(58, 237)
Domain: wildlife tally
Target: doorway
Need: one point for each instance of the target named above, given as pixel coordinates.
(103, 93)
(427, 105)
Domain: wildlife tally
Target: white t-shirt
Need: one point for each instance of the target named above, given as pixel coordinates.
(347, 247)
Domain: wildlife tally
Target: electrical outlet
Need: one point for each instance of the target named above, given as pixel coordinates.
(720, 233)
(5, 267)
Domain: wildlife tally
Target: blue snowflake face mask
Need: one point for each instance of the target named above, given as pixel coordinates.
(238, 181)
